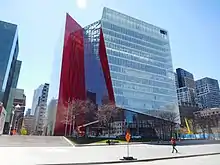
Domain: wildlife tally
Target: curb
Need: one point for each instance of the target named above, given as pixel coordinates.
(88, 145)
(69, 141)
(141, 160)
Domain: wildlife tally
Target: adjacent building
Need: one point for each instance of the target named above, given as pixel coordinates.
(51, 116)
(28, 112)
(16, 97)
(207, 122)
(186, 93)
(186, 89)
(28, 124)
(2, 118)
(208, 92)
(120, 59)
(16, 74)
(176, 80)
(10, 66)
(39, 106)
(9, 49)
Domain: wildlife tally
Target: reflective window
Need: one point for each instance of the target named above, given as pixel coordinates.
(8, 48)
(140, 63)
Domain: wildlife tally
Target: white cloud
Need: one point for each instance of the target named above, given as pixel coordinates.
(82, 4)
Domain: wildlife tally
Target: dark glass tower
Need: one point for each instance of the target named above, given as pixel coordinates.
(208, 92)
(9, 72)
(9, 49)
(185, 78)
(16, 73)
(186, 88)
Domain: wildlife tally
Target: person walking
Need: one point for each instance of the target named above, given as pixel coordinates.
(173, 143)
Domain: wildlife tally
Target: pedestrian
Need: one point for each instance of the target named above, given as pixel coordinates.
(173, 143)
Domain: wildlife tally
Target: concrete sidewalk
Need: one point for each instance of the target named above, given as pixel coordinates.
(143, 160)
(98, 154)
(34, 141)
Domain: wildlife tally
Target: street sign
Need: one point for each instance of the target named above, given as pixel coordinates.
(128, 137)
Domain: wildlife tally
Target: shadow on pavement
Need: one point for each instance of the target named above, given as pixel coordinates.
(142, 160)
(188, 142)
(179, 143)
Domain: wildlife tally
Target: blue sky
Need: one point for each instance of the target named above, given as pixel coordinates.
(193, 28)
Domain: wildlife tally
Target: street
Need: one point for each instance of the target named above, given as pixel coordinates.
(150, 154)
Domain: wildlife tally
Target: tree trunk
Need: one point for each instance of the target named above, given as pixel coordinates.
(109, 125)
(73, 123)
(70, 128)
(66, 121)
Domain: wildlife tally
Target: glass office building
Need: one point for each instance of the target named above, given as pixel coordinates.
(16, 73)
(8, 33)
(9, 49)
(119, 59)
(208, 92)
(186, 89)
(8, 55)
(140, 64)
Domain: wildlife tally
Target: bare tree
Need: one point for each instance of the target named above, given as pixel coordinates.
(73, 109)
(216, 125)
(202, 123)
(106, 114)
(170, 120)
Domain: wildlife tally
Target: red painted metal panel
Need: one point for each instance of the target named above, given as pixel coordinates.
(105, 67)
(72, 79)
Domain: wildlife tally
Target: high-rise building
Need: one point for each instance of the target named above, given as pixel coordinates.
(39, 106)
(41, 91)
(51, 116)
(28, 112)
(208, 92)
(9, 49)
(28, 124)
(16, 74)
(19, 99)
(176, 80)
(185, 78)
(16, 97)
(118, 58)
(186, 92)
(2, 118)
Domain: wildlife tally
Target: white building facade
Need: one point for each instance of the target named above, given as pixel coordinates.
(39, 107)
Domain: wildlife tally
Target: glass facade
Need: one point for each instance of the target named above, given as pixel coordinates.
(7, 85)
(118, 59)
(140, 64)
(208, 92)
(94, 76)
(16, 73)
(185, 78)
(68, 81)
(186, 92)
(8, 49)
